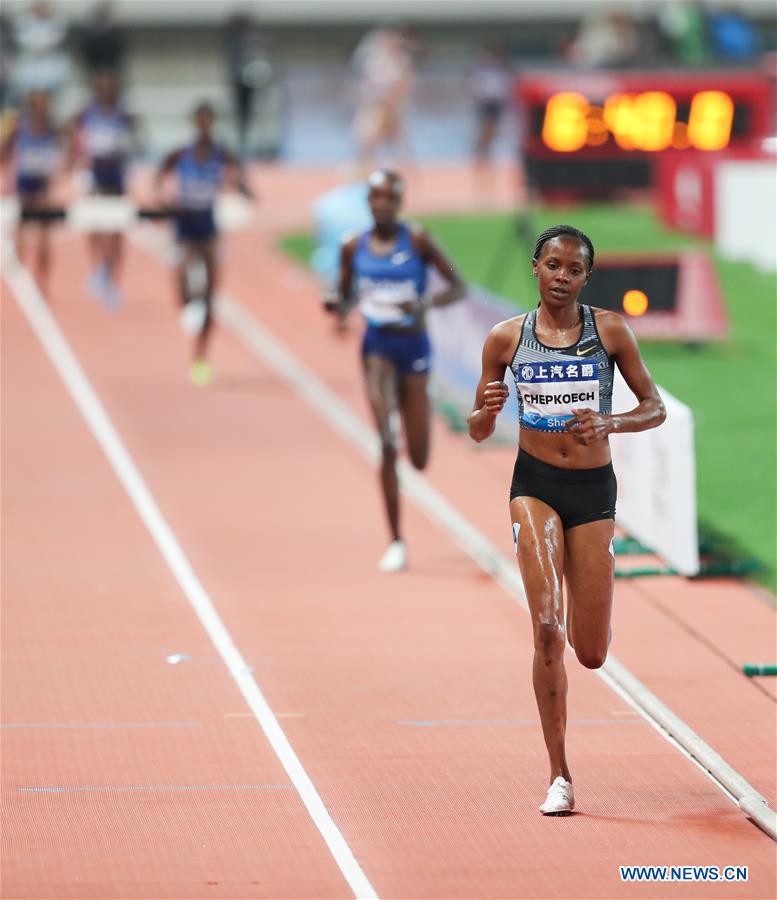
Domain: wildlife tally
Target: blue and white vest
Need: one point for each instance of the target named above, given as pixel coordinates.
(382, 283)
(199, 181)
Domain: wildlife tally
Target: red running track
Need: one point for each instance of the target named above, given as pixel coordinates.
(407, 699)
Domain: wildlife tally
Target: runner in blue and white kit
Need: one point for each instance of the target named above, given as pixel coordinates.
(104, 135)
(34, 147)
(200, 170)
(384, 270)
(562, 497)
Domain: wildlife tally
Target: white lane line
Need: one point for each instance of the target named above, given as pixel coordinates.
(32, 304)
(615, 675)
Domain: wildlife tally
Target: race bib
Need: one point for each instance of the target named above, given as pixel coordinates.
(379, 301)
(39, 159)
(550, 391)
(106, 140)
(200, 192)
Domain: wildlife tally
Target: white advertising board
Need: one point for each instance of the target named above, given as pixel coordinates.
(746, 211)
(656, 472)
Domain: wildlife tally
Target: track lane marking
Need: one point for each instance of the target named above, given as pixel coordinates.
(34, 308)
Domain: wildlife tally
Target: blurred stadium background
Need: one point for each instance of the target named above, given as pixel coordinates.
(171, 54)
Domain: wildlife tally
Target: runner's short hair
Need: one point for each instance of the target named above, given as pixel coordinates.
(565, 231)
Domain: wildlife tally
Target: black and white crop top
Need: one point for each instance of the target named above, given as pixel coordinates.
(552, 381)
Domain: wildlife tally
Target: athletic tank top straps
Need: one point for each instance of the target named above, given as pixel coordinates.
(384, 282)
(552, 381)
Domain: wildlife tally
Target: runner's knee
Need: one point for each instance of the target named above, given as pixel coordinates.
(419, 456)
(591, 657)
(549, 638)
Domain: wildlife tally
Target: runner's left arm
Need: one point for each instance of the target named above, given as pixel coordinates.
(589, 426)
(236, 174)
(434, 255)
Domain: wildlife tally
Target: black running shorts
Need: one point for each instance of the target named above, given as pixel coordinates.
(578, 496)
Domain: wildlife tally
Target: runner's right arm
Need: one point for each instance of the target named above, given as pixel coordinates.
(7, 147)
(492, 392)
(167, 165)
(340, 300)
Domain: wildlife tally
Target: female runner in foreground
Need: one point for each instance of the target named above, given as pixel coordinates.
(562, 498)
(384, 271)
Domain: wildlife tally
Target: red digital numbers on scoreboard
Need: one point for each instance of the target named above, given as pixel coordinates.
(646, 121)
(590, 134)
(623, 114)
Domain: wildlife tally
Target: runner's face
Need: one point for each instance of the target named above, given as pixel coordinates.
(203, 122)
(385, 201)
(105, 88)
(561, 270)
(38, 104)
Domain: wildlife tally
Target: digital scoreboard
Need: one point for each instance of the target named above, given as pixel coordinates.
(590, 133)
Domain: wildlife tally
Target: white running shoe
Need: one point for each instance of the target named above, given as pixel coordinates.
(560, 800)
(395, 558)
